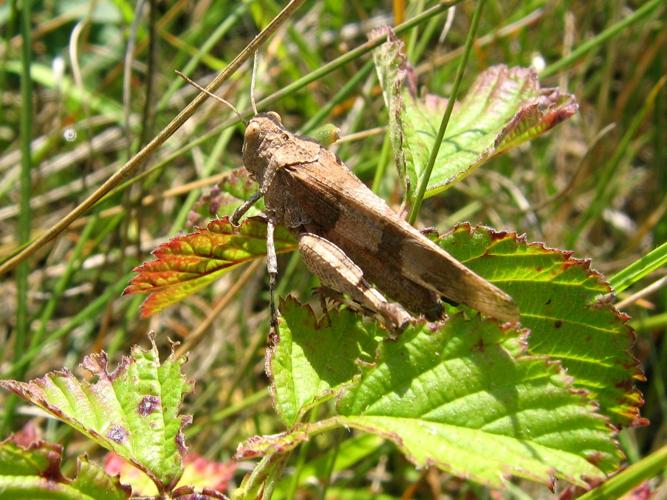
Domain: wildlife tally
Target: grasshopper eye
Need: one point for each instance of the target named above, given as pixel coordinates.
(252, 131)
(275, 117)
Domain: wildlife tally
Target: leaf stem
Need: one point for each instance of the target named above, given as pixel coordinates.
(423, 182)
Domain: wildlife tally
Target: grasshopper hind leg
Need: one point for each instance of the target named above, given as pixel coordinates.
(338, 272)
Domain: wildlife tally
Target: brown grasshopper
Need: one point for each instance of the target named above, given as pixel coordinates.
(350, 238)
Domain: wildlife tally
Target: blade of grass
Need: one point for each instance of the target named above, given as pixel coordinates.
(650, 324)
(92, 310)
(631, 477)
(340, 96)
(25, 215)
(229, 22)
(74, 263)
(423, 182)
(383, 161)
(596, 41)
(625, 278)
(602, 195)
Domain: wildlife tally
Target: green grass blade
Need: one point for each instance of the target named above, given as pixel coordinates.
(423, 182)
(640, 268)
(25, 214)
(612, 31)
(631, 477)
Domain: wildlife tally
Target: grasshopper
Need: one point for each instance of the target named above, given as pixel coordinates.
(350, 238)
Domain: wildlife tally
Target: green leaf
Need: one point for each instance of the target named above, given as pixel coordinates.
(504, 108)
(311, 359)
(469, 399)
(33, 471)
(465, 396)
(186, 264)
(132, 410)
(92, 481)
(241, 186)
(564, 303)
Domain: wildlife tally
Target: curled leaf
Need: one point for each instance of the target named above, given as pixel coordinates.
(504, 108)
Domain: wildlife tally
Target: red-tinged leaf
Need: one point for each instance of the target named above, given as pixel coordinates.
(198, 472)
(30, 433)
(240, 185)
(562, 301)
(203, 473)
(504, 108)
(187, 264)
(133, 410)
(225, 198)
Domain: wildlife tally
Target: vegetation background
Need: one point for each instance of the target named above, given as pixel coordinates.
(103, 84)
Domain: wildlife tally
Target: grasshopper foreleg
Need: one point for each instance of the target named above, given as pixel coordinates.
(272, 268)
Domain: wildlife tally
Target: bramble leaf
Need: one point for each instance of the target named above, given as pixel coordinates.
(469, 399)
(464, 395)
(504, 108)
(132, 410)
(33, 471)
(187, 264)
(240, 185)
(311, 359)
(564, 303)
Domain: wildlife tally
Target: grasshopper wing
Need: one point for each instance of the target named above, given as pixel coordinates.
(338, 206)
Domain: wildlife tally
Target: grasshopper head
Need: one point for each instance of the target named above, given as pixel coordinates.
(264, 132)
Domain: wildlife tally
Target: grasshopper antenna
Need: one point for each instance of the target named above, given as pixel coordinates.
(252, 83)
(211, 94)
